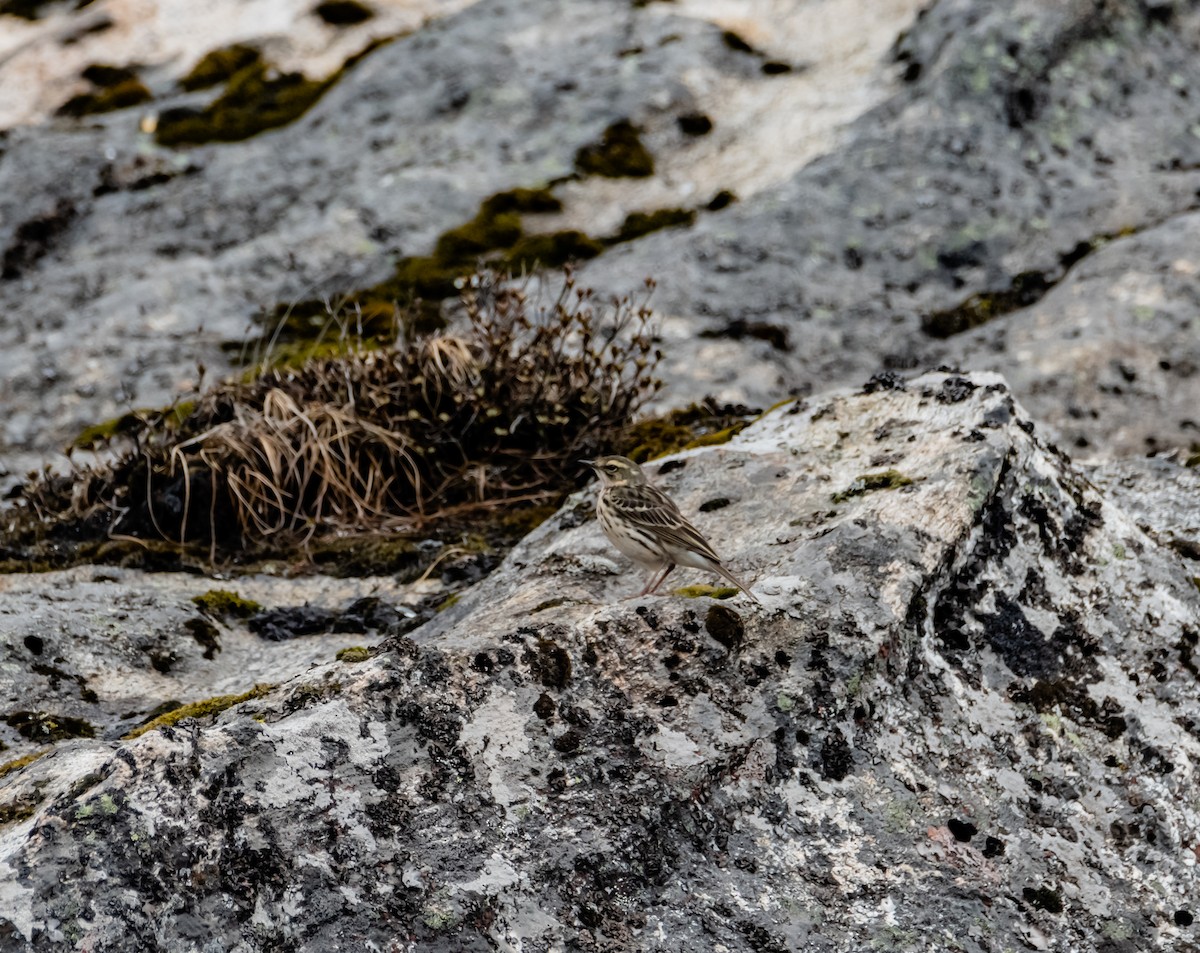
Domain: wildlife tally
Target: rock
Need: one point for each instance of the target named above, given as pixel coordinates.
(963, 716)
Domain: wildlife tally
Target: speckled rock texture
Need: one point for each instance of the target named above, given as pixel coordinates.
(963, 718)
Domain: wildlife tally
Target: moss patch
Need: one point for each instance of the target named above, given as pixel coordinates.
(256, 98)
(355, 653)
(220, 65)
(43, 726)
(225, 604)
(1024, 289)
(618, 154)
(700, 425)
(869, 482)
(132, 422)
(710, 592)
(200, 709)
(16, 764)
(114, 87)
(637, 224)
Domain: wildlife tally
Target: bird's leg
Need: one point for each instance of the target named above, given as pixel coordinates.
(659, 580)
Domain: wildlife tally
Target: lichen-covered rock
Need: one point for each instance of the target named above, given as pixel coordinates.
(962, 718)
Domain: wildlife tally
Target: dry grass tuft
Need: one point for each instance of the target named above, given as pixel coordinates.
(498, 411)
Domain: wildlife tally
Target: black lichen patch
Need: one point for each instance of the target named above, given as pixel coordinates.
(870, 482)
(1043, 898)
(637, 224)
(220, 65)
(722, 199)
(736, 43)
(550, 664)
(836, 757)
(343, 12)
(35, 238)
(694, 124)
(716, 503)
(363, 615)
(963, 831)
(618, 154)
(1069, 698)
(1023, 647)
(739, 328)
(776, 68)
(954, 390)
(725, 626)
(42, 727)
(206, 634)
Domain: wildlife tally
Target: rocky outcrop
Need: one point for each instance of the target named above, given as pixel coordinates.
(1012, 188)
(963, 717)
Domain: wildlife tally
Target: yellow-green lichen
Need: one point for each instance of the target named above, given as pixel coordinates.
(869, 482)
(718, 437)
(354, 653)
(711, 592)
(200, 709)
(224, 604)
(16, 764)
(447, 603)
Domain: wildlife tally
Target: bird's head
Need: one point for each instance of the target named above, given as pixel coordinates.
(617, 471)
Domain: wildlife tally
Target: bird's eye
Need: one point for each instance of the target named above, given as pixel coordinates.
(611, 468)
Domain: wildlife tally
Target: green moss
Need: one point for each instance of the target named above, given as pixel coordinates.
(16, 811)
(256, 98)
(700, 425)
(16, 764)
(869, 482)
(343, 12)
(131, 92)
(200, 709)
(637, 224)
(1023, 290)
(1193, 460)
(718, 437)
(103, 75)
(449, 602)
(551, 250)
(355, 653)
(618, 154)
(224, 604)
(219, 65)
(133, 422)
(382, 554)
(711, 592)
(548, 604)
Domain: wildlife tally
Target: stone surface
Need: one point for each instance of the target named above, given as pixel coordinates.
(962, 718)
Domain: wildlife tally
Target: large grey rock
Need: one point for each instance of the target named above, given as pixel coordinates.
(962, 718)
(1030, 135)
(1027, 134)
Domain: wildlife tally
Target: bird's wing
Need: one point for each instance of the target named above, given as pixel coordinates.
(648, 508)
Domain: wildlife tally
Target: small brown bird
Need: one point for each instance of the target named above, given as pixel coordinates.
(643, 523)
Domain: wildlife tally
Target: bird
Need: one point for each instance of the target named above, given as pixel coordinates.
(646, 525)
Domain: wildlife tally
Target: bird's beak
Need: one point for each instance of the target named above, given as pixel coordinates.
(589, 463)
